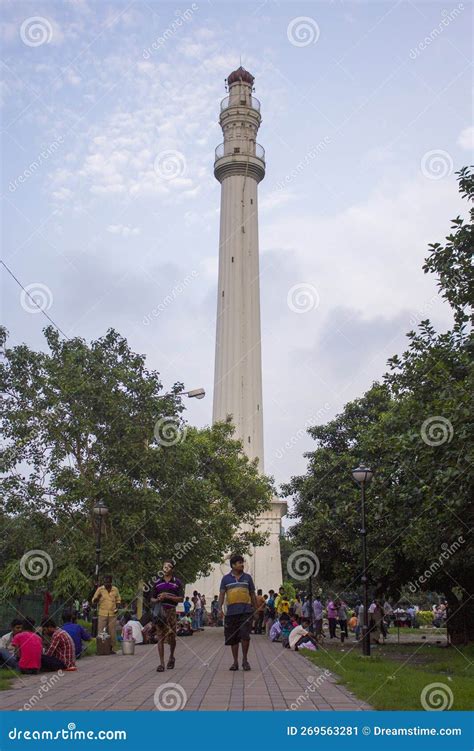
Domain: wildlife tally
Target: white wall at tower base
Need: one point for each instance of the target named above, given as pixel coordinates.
(263, 564)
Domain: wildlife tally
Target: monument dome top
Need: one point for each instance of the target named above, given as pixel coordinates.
(240, 75)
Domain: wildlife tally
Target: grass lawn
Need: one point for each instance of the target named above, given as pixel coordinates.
(6, 677)
(425, 631)
(394, 676)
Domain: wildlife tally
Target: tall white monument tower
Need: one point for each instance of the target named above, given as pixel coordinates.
(240, 166)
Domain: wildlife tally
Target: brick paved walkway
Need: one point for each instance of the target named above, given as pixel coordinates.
(279, 679)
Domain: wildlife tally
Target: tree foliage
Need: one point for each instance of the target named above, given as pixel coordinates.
(415, 429)
(85, 423)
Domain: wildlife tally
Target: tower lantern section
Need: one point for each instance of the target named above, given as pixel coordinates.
(240, 119)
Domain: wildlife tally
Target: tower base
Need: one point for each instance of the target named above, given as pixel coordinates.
(263, 564)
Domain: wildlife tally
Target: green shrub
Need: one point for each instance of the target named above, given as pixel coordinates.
(424, 617)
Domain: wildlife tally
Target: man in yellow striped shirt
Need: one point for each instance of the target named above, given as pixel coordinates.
(108, 598)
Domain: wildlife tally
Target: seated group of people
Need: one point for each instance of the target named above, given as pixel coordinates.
(48, 648)
(293, 635)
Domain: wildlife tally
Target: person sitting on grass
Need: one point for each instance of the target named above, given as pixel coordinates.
(300, 636)
(28, 648)
(275, 631)
(7, 650)
(61, 653)
(75, 631)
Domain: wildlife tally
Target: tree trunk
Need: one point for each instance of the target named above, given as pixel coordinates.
(460, 620)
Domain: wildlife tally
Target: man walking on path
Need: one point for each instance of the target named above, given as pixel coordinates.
(109, 599)
(239, 590)
(167, 593)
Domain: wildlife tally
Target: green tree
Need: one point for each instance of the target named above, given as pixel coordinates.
(84, 423)
(416, 431)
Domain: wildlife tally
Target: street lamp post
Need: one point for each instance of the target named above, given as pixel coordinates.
(192, 394)
(363, 475)
(100, 510)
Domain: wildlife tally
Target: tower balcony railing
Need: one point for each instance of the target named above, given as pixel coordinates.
(254, 149)
(254, 103)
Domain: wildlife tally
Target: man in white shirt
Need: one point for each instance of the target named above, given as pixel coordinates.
(300, 635)
(134, 627)
(7, 651)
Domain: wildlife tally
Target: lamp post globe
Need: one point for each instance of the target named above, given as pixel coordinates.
(100, 509)
(362, 474)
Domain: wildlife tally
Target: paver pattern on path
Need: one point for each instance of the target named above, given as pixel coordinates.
(279, 680)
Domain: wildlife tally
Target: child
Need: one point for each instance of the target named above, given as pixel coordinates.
(29, 647)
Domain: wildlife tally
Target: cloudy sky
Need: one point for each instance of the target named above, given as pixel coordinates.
(111, 210)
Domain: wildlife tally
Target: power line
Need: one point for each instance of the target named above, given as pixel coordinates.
(33, 300)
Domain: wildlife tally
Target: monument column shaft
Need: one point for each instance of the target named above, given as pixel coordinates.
(239, 167)
(238, 373)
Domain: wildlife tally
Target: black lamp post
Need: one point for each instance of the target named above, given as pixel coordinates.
(363, 475)
(100, 510)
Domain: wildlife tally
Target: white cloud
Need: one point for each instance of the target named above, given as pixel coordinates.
(123, 230)
(466, 138)
(63, 194)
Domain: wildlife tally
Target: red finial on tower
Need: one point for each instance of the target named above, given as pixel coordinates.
(240, 75)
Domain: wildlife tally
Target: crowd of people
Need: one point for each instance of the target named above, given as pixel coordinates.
(46, 648)
(296, 622)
